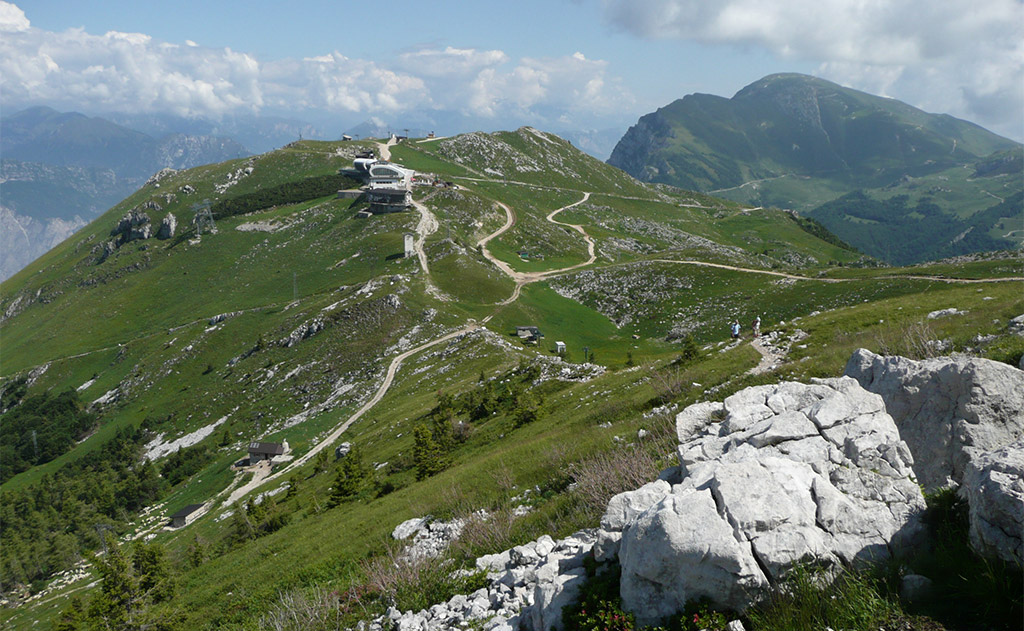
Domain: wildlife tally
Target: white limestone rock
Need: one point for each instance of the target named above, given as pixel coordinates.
(682, 549)
(994, 487)
(793, 473)
(168, 225)
(410, 527)
(947, 409)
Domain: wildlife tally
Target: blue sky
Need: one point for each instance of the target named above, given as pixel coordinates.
(583, 64)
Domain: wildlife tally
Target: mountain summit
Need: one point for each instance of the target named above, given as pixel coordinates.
(795, 141)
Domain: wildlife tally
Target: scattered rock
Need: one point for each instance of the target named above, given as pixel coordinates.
(942, 313)
(914, 587)
(1016, 325)
(528, 587)
(224, 316)
(160, 176)
(133, 226)
(341, 451)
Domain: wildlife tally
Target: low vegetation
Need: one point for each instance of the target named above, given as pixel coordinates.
(167, 359)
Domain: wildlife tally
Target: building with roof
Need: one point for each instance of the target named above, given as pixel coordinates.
(266, 451)
(529, 334)
(390, 187)
(185, 516)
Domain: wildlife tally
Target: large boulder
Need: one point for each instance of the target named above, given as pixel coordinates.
(948, 409)
(994, 487)
(782, 474)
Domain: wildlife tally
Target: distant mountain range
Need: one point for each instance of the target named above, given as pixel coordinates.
(62, 169)
(798, 142)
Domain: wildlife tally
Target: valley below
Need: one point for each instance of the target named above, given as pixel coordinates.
(475, 434)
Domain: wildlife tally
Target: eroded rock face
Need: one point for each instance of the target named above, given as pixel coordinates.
(168, 225)
(791, 473)
(949, 410)
(994, 487)
(133, 226)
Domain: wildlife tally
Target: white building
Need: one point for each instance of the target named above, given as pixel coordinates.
(390, 187)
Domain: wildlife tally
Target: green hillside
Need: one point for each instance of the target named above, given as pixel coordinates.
(798, 142)
(145, 368)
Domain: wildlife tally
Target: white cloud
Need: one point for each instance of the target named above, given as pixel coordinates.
(12, 19)
(963, 57)
(119, 71)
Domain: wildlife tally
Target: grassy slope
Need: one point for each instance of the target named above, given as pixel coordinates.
(161, 371)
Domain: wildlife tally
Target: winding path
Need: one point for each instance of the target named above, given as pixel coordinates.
(325, 442)
(428, 225)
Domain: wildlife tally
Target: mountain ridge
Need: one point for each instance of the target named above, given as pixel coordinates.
(795, 141)
(305, 321)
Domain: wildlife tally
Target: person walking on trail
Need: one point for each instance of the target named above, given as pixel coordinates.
(757, 326)
(735, 329)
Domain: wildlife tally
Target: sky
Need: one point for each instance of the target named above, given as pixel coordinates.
(554, 64)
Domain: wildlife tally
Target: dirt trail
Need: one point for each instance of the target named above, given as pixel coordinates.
(327, 441)
(525, 278)
(385, 148)
(769, 358)
(427, 226)
(822, 279)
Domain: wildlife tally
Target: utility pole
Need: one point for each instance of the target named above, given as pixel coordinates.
(295, 288)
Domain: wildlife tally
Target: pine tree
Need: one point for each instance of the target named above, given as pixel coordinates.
(116, 604)
(320, 464)
(428, 455)
(293, 486)
(149, 562)
(242, 528)
(196, 551)
(350, 475)
(72, 617)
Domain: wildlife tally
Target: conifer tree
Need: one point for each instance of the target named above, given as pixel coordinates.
(350, 475)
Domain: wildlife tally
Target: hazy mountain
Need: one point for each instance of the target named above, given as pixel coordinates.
(257, 133)
(597, 142)
(795, 141)
(61, 169)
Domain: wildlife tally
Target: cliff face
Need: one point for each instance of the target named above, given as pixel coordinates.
(636, 153)
(61, 170)
(24, 239)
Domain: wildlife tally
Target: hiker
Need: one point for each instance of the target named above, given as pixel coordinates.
(735, 329)
(757, 326)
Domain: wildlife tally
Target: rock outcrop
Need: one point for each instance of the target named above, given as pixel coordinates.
(994, 487)
(133, 226)
(949, 410)
(792, 473)
(168, 225)
(775, 476)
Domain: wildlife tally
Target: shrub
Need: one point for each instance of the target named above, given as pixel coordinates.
(320, 609)
(916, 341)
(416, 583)
(808, 600)
(600, 477)
(287, 193)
